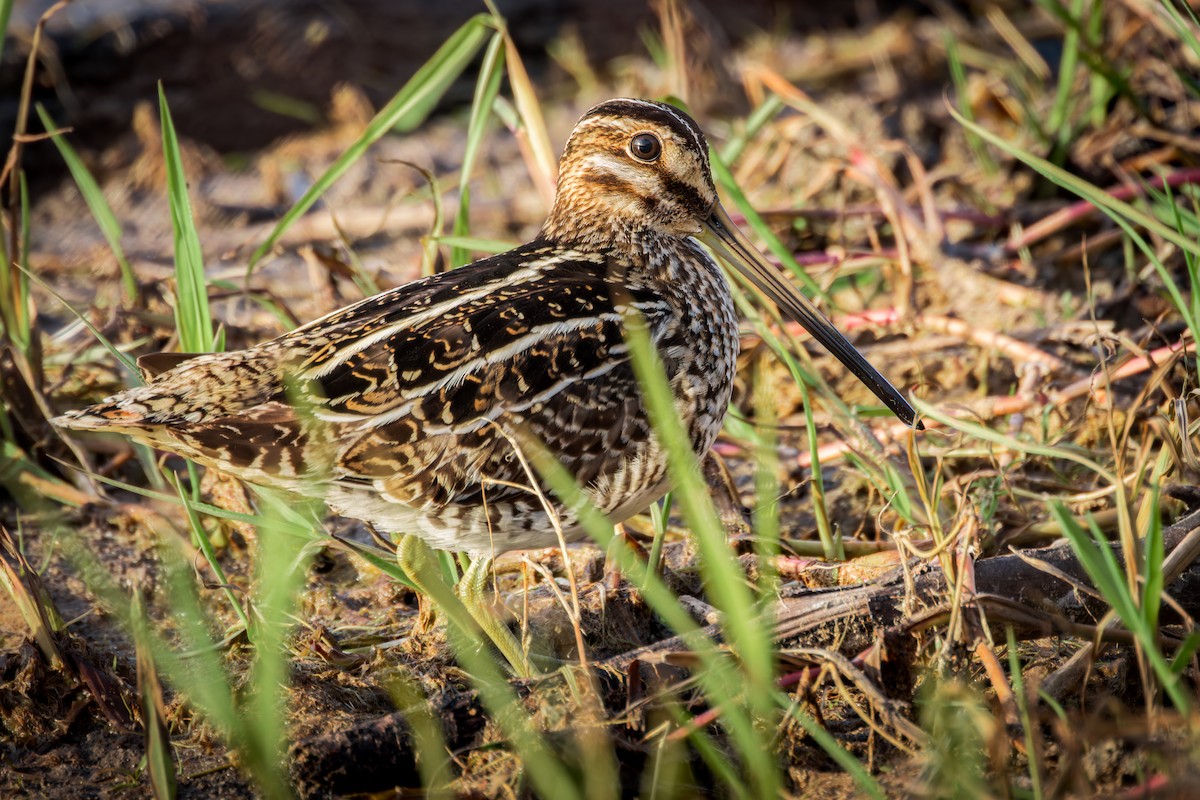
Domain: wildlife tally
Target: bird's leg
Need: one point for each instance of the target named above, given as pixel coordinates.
(416, 559)
(612, 566)
(725, 495)
(426, 613)
(418, 562)
(477, 598)
(465, 606)
(412, 555)
(622, 541)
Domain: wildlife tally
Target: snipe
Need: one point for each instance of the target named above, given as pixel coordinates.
(404, 398)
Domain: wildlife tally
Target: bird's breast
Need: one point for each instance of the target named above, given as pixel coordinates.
(701, 349)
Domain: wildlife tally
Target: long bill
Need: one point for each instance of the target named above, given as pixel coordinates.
(728, 242)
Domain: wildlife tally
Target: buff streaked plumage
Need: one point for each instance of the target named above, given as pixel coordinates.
(400, 409)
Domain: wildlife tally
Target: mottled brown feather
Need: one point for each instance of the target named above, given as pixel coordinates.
(401, 409)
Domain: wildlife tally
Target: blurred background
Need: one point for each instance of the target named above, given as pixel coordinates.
(240, 74)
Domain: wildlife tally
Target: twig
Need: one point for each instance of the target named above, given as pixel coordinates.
(992, 407)
(1064, 217)
(1014, 349)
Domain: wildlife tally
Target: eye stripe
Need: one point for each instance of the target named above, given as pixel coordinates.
(685, 193)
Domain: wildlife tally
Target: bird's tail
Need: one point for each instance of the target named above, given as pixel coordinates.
(197, 389)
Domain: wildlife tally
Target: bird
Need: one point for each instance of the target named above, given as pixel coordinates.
(401, 409)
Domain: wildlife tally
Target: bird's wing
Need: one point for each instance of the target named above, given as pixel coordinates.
(432, 407)
(411, 393)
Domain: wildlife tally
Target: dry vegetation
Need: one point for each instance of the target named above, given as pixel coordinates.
(1001, 205)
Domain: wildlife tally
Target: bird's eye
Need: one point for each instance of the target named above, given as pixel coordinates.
(645, 147)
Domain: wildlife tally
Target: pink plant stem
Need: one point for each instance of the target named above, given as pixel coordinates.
(1076, 211)
(1097, 383)
(1003, 406)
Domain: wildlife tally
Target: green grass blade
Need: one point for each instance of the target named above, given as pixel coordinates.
(434, 762)
(113, 350)
(282, 565)
(1098, 560)
(987, 434)
(474, 244)
(409, 106)
(725, 582)
(717, 676)
(201, 539)
(1097, 62)
(831, 544)
(956, 720)
(1183, 657)
(191, 302)
(199, 674)
(767, 486)
(851, 765)
(486, 88)
(1059, 123)
(1027, 723)
(6, 7)
(725, 181)
(959, 76)
(160, 763)
(1153, 554)
(26, 340)
(544, 769)
(1182, 29)
(96, 203)
(15, 317)
(759, 117)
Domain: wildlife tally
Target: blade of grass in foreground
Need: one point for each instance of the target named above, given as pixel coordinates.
(281, 567)
(486, 89)
(1018, 688)
(252, 726)
(192, 314)
(718, 676)
(201, 538)
(547, 773)
(1096, 555)
(830, 745)
(744, 626)
(96, 203)
(160, 763)
(411, 104)
(193, 666)
(6, 7)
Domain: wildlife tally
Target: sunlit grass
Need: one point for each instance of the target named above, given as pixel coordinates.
(191, 286)
(407, 109)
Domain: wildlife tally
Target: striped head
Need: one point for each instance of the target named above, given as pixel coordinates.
(635, 173)
(632, 167)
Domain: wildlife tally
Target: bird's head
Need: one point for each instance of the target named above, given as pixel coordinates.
(631, 168)
(635, 172)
